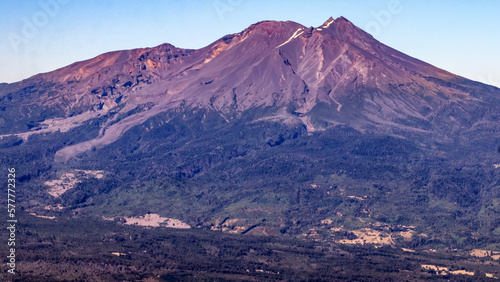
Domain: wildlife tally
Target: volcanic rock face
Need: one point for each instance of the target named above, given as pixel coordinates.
(282, 64)
(284, 101)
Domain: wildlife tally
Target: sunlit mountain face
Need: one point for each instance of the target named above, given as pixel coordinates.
(322, 134)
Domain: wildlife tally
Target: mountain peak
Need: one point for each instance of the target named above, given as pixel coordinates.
(338, 21)
(341, 18)
(271, 27)
(328, 22)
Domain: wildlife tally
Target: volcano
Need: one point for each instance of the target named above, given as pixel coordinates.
(278, 129)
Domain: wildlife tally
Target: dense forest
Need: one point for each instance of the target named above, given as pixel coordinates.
(90, 249)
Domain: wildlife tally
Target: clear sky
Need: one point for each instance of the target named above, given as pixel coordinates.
(461, 36)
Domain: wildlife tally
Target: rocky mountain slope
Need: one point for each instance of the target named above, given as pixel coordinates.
(322, 133)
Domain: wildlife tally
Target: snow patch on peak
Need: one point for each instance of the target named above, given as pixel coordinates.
(328, 22)
(295, 35)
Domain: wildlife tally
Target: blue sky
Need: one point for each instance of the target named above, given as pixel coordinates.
(460, 36)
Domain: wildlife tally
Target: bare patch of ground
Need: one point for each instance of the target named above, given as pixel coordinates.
(375, 233)
(68, 180)
(369, 236)
(58, 124)
(485, 253)
(59, 186)
(357, 198)
(491, 275)
(462, 272)
(233, 226)
(57, 207)
(109, 133)
(42, 216)
(155, 220)
(440, 270)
